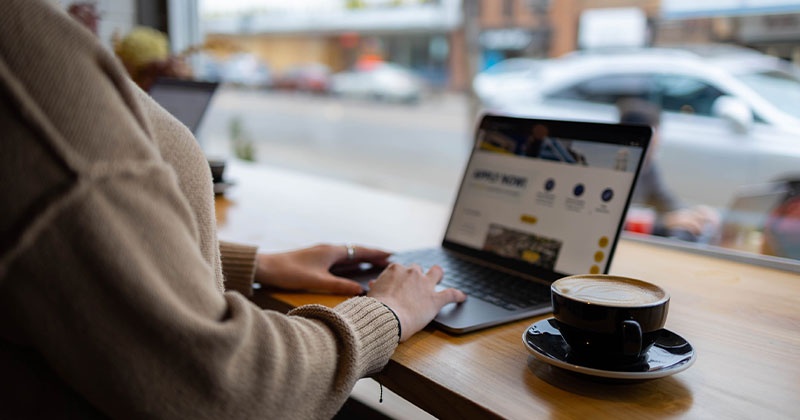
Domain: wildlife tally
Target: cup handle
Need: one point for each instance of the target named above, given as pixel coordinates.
(632, 338)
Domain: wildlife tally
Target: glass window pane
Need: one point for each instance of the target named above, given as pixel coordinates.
(687, 95)
(386, 93)
(781, 89)
(609, 89)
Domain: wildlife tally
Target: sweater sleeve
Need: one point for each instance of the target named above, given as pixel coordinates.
(238, 266)
(101, 272)
(116, 297)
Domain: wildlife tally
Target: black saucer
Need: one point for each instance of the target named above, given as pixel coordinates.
(221, 186)
(669, 355)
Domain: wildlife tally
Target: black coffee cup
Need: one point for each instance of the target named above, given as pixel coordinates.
(217, 169)
(608, 319)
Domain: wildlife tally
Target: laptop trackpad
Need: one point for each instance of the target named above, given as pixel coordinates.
(469, 315)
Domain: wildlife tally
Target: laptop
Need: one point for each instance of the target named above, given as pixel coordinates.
(539, 200)
(747, 215)
(186, 100)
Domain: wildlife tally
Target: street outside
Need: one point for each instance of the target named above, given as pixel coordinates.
(419, 149)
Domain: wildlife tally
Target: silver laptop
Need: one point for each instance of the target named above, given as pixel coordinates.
(539, 200)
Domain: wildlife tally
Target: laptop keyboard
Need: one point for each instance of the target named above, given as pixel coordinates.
(498, 288)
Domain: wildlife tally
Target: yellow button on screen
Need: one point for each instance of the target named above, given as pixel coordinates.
(598, 256)
(527, 218)
(603, 242)
(594, 270)
(530, 256)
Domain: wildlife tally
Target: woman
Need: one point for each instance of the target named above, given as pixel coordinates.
(115, 294)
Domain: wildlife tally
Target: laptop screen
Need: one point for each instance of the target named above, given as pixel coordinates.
(186, 100)
(546, 198)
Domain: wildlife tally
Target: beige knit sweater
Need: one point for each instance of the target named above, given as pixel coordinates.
(111, 283)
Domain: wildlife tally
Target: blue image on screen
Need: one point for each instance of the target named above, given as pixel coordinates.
(607, 194)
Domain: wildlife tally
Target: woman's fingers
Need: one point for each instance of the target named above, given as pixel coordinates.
(361, 254)
(411, 294)
(435, 273)
(449, 296)
(371, 254)
(337, 285)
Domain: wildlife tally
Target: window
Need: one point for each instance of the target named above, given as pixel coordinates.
(686, 94)
(609, 89)
(674, 93)
(392, 106)
(781, 89)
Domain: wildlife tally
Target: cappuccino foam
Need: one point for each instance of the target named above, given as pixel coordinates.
(612, 291)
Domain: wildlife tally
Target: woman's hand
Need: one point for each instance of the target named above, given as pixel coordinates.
(411, 295)
(308, 269)
(693, 220)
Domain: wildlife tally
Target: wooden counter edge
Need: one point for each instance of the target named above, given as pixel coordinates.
(426, 394)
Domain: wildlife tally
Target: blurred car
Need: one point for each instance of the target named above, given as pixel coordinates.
(384, 81)
(245, 69)
(242, 69)
(731, 115)
(504, 77)
(206, 67)
(313, 78)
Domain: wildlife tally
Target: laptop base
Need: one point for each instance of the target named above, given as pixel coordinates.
(458, 318)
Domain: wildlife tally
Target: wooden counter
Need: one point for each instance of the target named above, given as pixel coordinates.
(743, 320)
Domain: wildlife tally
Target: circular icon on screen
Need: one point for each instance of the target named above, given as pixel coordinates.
(578, 191)
(607, 194)
(550, 184)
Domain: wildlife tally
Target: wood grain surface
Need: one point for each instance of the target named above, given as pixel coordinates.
(743, 320)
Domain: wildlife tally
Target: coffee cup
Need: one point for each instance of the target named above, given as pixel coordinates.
(608, 319)
(217, 169)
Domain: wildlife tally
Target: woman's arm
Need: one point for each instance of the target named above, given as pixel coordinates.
(101, 268)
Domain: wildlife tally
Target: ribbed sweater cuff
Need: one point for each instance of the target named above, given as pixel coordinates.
(238, 266)
(374, 329)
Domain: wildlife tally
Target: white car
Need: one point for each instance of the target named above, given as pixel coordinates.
(384, 81)
(242, 69)
(731, 116)
(502, 79)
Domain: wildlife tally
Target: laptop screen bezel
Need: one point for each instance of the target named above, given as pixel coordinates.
(618, 134)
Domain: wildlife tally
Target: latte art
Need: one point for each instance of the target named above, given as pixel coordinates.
(609, 291)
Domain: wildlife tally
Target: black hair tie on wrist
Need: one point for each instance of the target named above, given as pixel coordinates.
(399, 328)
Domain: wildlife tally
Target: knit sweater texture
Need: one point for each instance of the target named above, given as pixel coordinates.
(113, 284)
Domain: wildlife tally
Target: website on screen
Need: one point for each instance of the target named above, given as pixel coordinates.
(551, 202)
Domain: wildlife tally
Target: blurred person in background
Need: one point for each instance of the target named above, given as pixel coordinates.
(782, 229)
(673, 218)
(116, 297)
